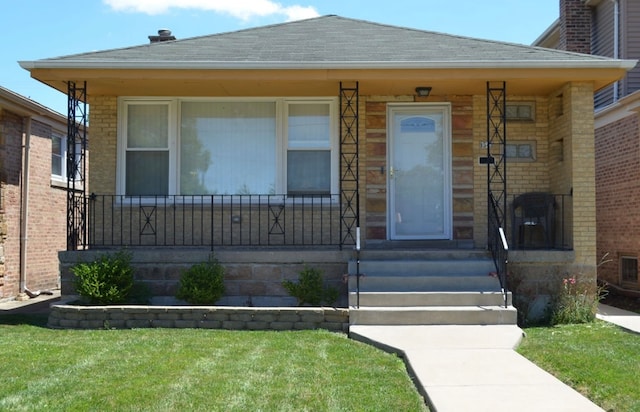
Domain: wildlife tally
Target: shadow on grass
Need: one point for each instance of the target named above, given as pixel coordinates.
(33, 319)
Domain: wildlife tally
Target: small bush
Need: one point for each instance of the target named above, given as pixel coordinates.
(202, 284)
(575, 303)
(310, 288)
(108, 280)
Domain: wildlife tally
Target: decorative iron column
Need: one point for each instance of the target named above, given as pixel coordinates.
(349, 171)
(76, 166)
(496, 152)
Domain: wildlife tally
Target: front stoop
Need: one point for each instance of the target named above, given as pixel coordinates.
(427, 288)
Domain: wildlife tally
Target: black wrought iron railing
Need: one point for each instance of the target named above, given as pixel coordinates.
(499, 247)
(541, 221)
(216, 220)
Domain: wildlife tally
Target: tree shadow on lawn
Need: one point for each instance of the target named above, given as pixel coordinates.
(33, 319)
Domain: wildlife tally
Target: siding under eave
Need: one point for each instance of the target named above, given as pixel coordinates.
(631, 43)
(602, 43)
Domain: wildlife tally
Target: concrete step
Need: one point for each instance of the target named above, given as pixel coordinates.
(400, 299)
(433, 315)
(422, 267)
(418, 287)
(424, 283)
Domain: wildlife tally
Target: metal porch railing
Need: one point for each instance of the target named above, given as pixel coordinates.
(541, 221)
(215, 220)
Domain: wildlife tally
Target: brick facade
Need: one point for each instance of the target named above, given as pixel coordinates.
(575, 26)
(46, 215)
(618, 195)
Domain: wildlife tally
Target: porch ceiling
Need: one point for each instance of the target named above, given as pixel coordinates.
(319, 82)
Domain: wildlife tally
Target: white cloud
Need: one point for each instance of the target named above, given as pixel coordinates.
(241, 9)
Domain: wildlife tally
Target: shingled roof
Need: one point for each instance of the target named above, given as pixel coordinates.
(327, 42)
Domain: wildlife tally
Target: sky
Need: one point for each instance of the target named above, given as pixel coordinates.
(39, 29)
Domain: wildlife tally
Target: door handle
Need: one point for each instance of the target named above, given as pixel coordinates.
(391, 171)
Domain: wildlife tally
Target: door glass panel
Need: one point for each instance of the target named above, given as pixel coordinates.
(419, 202)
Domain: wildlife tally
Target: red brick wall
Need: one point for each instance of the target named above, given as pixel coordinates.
(47, 208)
(617, 193)
(575, 26)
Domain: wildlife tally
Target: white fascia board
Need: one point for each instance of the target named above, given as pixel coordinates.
(24, 106)
(223, 65)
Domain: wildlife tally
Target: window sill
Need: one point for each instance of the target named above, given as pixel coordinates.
(59, 183)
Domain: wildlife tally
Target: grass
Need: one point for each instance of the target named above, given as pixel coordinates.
(600, 360)
(195, 369)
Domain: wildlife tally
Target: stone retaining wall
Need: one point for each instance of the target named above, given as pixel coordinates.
(208, 317)
(253, 278)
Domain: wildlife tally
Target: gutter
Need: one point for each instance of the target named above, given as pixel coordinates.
(592, 63)
(24, 208)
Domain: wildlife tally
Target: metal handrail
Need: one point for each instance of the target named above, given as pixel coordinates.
(499, 248)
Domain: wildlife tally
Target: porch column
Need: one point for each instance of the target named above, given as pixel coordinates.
(76, 165)
(578, 107)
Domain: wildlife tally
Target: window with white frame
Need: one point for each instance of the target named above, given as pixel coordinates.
(205, 147)
(146, 156)
(308, 148)
(59, 156)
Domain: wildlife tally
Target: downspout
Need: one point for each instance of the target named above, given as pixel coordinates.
(24, 208)
(616, 41)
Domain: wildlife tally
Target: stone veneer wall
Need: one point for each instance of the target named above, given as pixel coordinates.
(252, 277)
(206, 317)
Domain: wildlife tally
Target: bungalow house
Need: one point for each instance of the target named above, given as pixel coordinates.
(607, 28)
(388, 156)
(33, 196)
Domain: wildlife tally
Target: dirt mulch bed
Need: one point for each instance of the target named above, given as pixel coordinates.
(629, 303)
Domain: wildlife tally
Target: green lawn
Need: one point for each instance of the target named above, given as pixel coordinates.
(194, 369)
(599, 359)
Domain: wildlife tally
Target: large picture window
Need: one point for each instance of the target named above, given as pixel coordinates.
(227, 148)
(207, 147)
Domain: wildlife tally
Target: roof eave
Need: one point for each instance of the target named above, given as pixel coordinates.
(24, 106)
(277, 65)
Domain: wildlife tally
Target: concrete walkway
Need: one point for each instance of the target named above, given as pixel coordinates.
(475, 368)
(38, 305)
(623, 318)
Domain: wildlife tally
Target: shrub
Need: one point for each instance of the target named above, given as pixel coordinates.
(575, 303)
(202, 284)
(310, 288)
(107, 280)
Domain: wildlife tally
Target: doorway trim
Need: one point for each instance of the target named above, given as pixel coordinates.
(420, 109)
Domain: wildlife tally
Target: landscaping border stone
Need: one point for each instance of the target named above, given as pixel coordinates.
(65, 316)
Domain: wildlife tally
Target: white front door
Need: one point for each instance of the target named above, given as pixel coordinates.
(419, 171)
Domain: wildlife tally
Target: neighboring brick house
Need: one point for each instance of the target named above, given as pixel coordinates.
(33, 198)
(609, 28)
(292, 143)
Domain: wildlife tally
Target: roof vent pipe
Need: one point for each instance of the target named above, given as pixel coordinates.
(163, 35)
